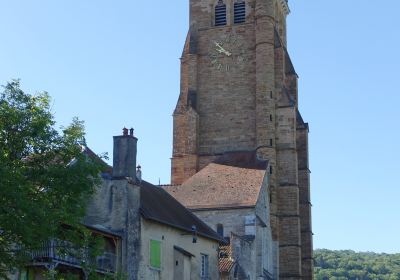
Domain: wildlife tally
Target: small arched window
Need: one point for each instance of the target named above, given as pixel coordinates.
(220, 230)
(220, 13)
(239, 12)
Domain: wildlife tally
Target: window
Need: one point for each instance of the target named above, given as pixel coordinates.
(204, 266)
(270, 169)
(155, 254)
(240, 12)
(250, 225)
(220, 230)
(220, 13)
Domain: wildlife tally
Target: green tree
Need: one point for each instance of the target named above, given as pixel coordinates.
(45, 177)
(348, 264)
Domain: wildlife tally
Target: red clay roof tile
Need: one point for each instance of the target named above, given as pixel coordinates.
(220, 186)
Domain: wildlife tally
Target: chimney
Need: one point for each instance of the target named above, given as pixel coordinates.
(124, 159)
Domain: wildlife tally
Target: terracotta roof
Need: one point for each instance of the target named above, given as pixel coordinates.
(226, 265)
(225, 251)
(159, 206)
(220, 186)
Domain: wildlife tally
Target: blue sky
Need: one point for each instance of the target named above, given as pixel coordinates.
(116, 63)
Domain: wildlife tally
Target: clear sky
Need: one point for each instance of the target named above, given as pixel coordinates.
(116, 63)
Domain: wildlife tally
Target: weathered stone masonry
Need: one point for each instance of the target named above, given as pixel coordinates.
(253, 106)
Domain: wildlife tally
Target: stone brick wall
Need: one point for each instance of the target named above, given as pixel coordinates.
(232, 219)
(305, 203)
(116, 207)
(253, 255)
(250, 106)
(226, 101)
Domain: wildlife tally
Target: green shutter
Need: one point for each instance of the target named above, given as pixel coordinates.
(31, 274)
(23, 274)
(155, 253)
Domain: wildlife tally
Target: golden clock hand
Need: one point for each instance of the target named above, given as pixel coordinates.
(217, 44)
(226, 52)
(221, 49)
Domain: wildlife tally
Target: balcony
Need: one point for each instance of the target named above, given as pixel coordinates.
(60, 252)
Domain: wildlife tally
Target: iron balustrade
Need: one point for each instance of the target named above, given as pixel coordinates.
(66, 253)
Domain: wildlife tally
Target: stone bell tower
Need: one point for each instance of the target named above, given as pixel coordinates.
(239, 93)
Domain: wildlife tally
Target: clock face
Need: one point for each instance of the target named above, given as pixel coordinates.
(227, 52)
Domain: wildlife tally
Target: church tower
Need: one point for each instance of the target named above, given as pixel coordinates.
(239, 93)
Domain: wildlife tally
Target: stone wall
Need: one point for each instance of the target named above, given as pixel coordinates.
(232, 219)
(247, 106)
(305, 203)
(252, 252)
(115, 206)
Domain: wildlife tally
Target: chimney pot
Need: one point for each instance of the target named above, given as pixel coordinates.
(125, 131)
(131, 132)
(139, 173)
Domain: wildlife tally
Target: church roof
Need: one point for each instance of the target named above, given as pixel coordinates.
(220, 186)
(288, 61)
(288, 64)
(300, 122)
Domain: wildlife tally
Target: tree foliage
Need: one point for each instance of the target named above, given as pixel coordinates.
(342, 265)
(45, 177)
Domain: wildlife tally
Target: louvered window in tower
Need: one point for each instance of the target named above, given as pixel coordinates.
(220, 13)
(240, 12)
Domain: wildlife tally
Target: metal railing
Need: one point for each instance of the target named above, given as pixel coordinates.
(66, 253)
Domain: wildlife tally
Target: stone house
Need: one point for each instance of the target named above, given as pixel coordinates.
(231, 195)
(149, 234)
(65, 258)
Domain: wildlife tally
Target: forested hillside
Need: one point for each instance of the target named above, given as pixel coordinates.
(342, 265)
